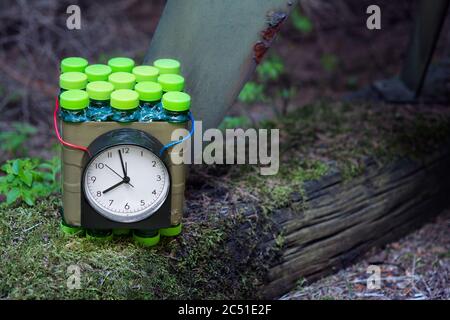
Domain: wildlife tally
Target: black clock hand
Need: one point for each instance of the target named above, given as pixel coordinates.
(113, 171)
(123, 178)
(121, 162)
(114, 186)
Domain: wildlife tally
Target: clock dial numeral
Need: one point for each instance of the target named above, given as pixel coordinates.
(142, 203)
(153, 163)
(93, 178)
(99, 165)
(99, 193)
(154, 192)
(158, 178)
(127, 206)
(111, 202)
(110, 154)
(125, 150)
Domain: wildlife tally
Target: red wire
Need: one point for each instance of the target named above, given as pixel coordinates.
(60, 139)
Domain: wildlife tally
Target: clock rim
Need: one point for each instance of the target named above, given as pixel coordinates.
(146, 213)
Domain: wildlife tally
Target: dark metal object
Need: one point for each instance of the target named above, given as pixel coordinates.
(428, 25)
(429, 21)
(219, 44)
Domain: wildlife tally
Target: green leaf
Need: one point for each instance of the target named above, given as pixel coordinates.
(270, 69)
(16, 166)
(28, 198)
(252, 92)
(12, 196)
(7, 168)
(301, 22)
(26, 177)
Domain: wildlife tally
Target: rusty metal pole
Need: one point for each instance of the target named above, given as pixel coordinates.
(219, 44)
(427, 27)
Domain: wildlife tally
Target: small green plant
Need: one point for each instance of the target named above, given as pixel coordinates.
(252, 92)
(301, 22)
(271, 86)
(13, 141)
(29, 179)
(270, 70)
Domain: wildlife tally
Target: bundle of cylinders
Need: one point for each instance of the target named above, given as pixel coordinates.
(120, 91)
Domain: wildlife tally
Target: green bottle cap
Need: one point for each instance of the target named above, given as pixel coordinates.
(124, 99)
(171, 231)
(98, 72)
(71, 64)
(167, 66)
(171, 82)
(72, 80)
(122, 80)
(121, 64)
(145, 73)
(99, 90)
(176, 101)
(149, 91)
(74, 100)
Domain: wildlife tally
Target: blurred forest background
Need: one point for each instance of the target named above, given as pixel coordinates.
(323, 51)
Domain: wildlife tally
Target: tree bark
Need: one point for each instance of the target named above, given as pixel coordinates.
(340, 220)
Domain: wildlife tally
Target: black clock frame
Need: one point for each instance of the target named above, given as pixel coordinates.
(90, 218)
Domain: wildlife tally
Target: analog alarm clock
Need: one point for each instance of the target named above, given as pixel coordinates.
(125, 182)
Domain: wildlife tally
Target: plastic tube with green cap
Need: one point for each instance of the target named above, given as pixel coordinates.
(73, 105)
(73, 64)
(121, 64)
(122, 80)
(145, 73)
(98, 72)
(150, 94)
(125, 104)
(99, 95)
(168, 66)
(171, 82)
(175, 106)
(72, 81)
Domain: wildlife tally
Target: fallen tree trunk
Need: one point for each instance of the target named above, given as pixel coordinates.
(336, 220)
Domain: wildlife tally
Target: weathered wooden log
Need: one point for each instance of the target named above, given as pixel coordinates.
(338, 220)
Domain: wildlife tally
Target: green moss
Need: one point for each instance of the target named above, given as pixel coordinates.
(36, 256)
(349, 133)
(217, 256)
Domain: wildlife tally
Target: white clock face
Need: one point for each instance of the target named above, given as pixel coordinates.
(126, 183)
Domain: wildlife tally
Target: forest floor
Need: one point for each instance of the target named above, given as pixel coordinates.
(336, 57)
(228, 208)
(416, 267)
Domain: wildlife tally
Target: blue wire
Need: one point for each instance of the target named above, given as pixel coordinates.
(173, 143)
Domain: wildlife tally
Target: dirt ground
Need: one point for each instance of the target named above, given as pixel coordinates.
(417, 267)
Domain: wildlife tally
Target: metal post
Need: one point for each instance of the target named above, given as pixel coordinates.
(429, 22)
(219, 44)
